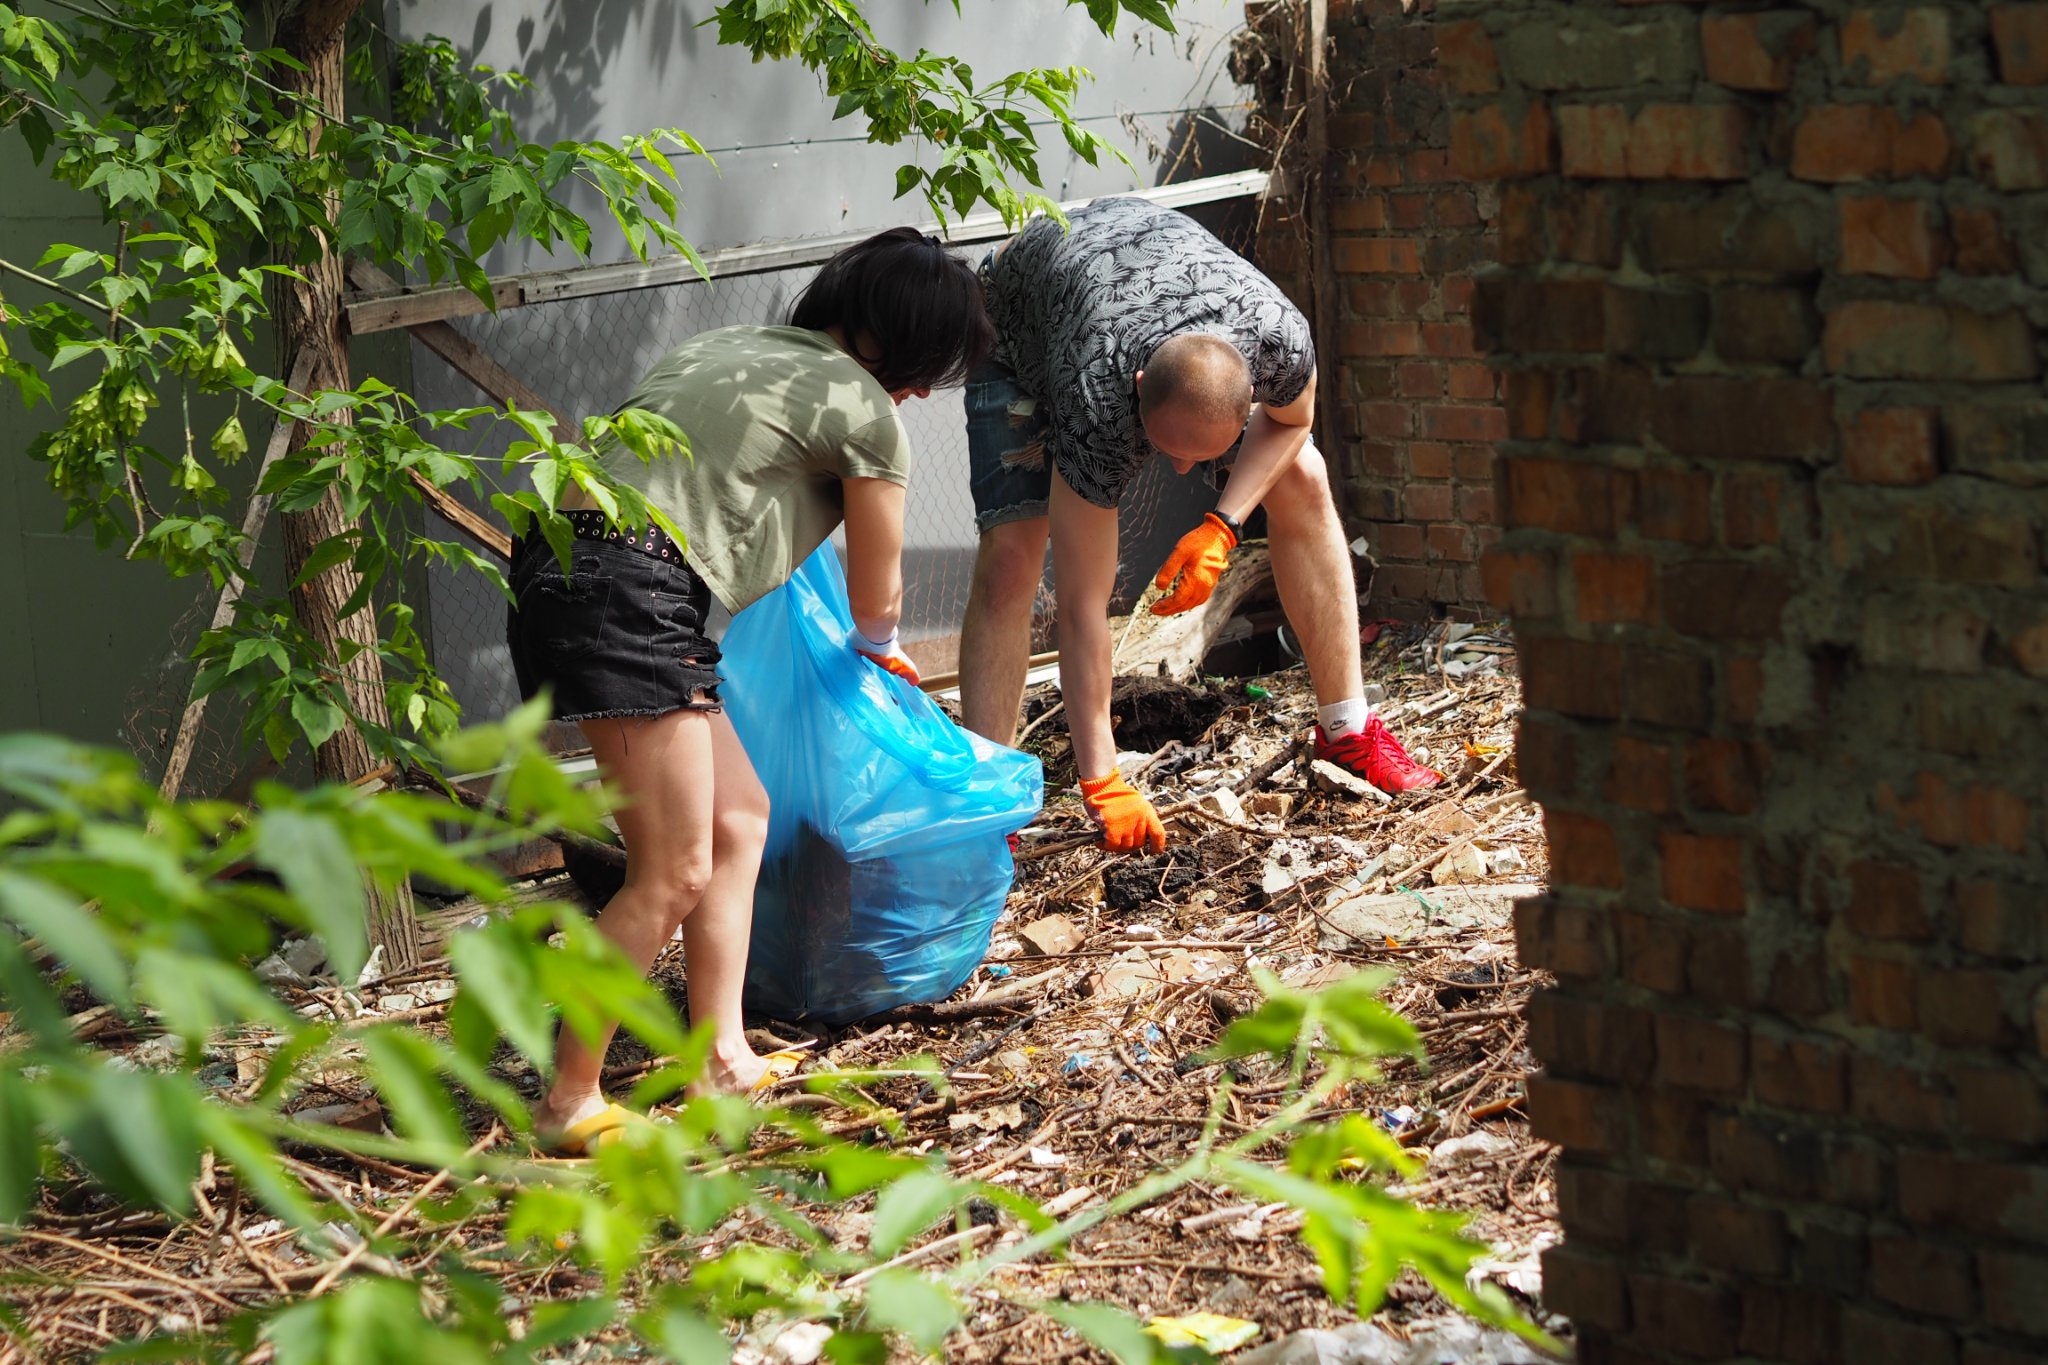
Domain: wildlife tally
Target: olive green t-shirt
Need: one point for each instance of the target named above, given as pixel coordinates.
(776, 417)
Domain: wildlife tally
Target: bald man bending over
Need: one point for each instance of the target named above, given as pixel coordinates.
(1138, 333)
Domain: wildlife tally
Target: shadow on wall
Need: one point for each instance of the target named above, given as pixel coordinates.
(567, 48)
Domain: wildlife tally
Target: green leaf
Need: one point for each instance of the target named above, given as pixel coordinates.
(909, 1206)
(328, 553)
(320, 719)
(401, 1066)
(20, 1147)
(495, 971)
(1111, 1329)
(684, 1336)
(903, 1300)
(70, 931)
(314, 861)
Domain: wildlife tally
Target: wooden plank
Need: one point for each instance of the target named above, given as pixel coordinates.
(387, 306)
(475, 365)
(386, 312)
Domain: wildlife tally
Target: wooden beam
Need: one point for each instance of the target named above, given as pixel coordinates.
(384, 307)
(473, 363)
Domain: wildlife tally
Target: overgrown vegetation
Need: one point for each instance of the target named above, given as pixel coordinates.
(181, 902)
(219, 178)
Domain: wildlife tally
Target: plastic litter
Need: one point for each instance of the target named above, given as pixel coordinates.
(887, 861)
(1211, 1331)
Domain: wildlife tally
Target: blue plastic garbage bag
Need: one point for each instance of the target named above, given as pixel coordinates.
(886, 863)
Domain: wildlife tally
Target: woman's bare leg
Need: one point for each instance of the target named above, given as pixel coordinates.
(716, 933)
(664, 768)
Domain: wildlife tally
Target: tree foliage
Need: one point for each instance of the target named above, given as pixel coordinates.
(216, 179)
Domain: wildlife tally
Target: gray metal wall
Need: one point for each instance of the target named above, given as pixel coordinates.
(786, 170)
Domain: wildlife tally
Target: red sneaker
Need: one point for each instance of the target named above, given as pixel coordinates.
(1375, 755)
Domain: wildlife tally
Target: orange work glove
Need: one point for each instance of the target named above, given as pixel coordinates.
(886, 655)
(1128, 821)
(1198, 561)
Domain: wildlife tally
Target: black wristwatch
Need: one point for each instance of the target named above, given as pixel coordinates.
(1236, 527)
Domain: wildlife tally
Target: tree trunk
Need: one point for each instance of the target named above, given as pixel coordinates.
(309, 323)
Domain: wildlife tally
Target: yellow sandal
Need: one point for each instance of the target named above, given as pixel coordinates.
(584, 1136)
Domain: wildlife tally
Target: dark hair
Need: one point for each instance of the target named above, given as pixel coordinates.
(910, 309)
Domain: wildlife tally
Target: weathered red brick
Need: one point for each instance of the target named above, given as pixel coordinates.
(1885, 901)
(1962, 1007)
(1761, 323)
(1838, 143)
(1882, 994)
(1583, 850)
(1570, 496)
(1743, 1238)
(1756, 51)
(1744, 418)
(1703, 872)
(1376, 255)
(2000, 1104)
(1639, 776)
(1898, 238)
(1567, 940)
(1796, 1324)
(1882, 339)
(1589, 1288)
(1869, 1339)
(1722, 775)
(1726, 599)
(1913, 1273)
(1589, 1119)
(1683, 1317)
(1466, 56)
(1701, 1054)
(2020, 33)
(1613, 588)
(1675, 504)
(2015, 1289)
(1895, 446)
(1911, 44)
(1689, 142)
(1594, 140)
(1490, 144)
(2009, 148)
(1795, 1074)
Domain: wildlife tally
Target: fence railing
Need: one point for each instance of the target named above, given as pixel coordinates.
(574, 342)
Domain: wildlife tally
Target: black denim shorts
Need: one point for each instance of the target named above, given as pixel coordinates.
(622, 634)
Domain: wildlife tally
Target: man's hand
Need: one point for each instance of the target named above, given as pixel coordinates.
(1198, 561)
(886, 655)
(1128, 821)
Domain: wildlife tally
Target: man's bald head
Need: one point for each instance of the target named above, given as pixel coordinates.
(1197, 381)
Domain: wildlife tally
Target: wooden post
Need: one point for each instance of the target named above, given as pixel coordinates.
(1316, 195)
(309, 322)
(224, 611)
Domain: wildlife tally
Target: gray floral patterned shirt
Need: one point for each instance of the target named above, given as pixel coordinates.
(1080, 311)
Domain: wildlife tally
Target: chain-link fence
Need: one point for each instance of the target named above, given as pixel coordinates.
(583, 355)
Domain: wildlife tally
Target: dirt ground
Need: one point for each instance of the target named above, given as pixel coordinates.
(1073, 1051)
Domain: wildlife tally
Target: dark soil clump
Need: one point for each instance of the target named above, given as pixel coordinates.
(1144, 713)
(1131, 883)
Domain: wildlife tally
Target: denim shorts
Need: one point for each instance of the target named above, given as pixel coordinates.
(1006, 465)
(621, 634)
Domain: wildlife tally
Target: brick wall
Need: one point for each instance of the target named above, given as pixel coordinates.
(1414, 461)
(1775, 489)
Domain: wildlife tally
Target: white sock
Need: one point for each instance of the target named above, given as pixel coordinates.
(1342, 718)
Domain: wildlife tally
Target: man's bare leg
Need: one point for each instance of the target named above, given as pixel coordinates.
(995, 639)
(1312, 570)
